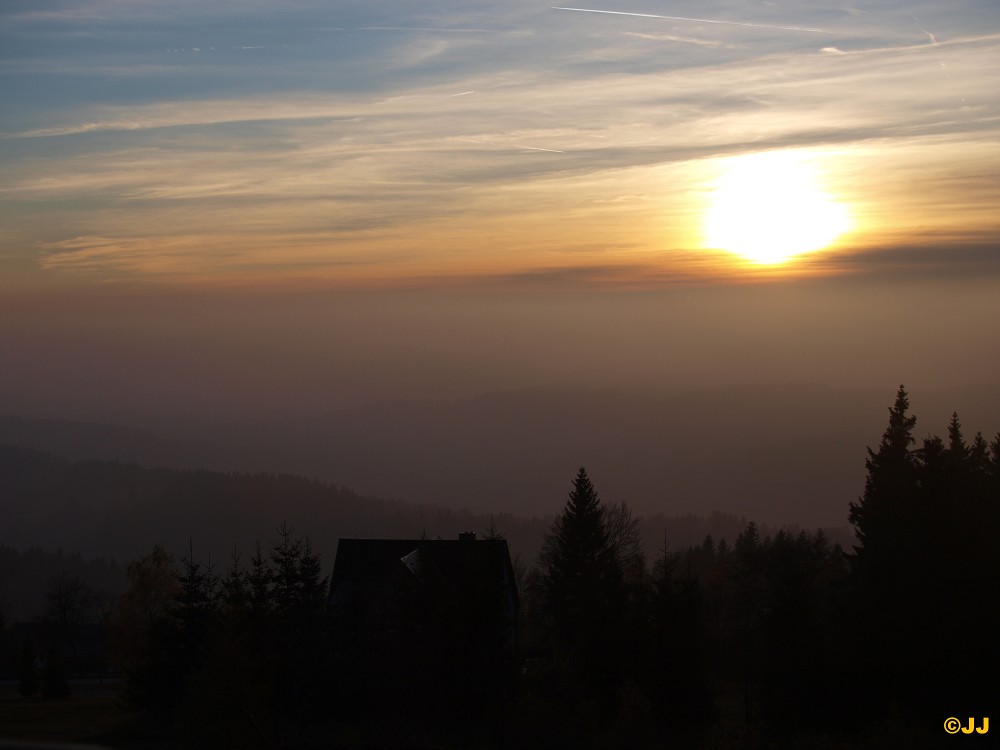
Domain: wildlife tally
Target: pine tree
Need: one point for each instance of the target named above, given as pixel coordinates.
(675, 664)
(234, 586)
(259, 581)
(312, 588)
(585, 597)
(492, 533)
(577, 558)
(889, 486)
(27, 684)
(192, 614)
(926, 536)
(141, 630)
(55, 678)
(749, 599)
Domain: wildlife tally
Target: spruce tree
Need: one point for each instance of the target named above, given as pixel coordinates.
(259, 582)
(884, 525)
(585, 597)
(192, 614)
(926, 536)
(27, 684)
(234, 585)
(577, 557)
(55, 678)
(889, 485)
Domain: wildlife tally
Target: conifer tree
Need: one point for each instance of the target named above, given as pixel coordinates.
(141, 631)
(585, 597)
(577, 558)
(259, 581)
(956, 443)
(926, 536)
(55, 677)
(675, 663)
(192, 613)
(889, 485)
(749, 599)
(234, 586)
(27, 684)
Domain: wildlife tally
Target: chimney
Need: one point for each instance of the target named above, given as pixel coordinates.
(467, 536)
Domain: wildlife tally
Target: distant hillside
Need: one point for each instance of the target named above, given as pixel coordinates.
(118, 510)
(780, 454)
(27, 577)
(77, 439)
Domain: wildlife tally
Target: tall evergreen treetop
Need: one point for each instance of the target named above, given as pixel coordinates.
(577, 558)
(898, 436)
(979, 454)
(890, 481)
(955, 440)
(579, 540)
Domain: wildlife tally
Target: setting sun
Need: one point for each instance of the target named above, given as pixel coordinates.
(770, 207)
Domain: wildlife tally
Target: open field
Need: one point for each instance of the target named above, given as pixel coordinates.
(91, 712)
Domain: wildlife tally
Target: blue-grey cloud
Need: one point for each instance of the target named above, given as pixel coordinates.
(330, 121)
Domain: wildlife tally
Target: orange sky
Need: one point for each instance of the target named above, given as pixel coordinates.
(354, 168)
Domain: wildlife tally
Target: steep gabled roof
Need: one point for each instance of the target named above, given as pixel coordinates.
(464, 567)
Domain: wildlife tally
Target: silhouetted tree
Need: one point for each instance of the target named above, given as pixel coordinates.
(804, 574)
(577, 558)
(140, 628)
(259, 582)
(676, 674)
(890, 528)
(55, 678)
(889, 487)
(584, 593)
(993, 467)
(71, 602)
(27, 668)
(191, 616)
(492, 532)
(748, 599)
(297, 589)
(927, 532)
(234, 586)
(299, 595)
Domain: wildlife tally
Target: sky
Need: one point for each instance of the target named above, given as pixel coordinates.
(254, 207)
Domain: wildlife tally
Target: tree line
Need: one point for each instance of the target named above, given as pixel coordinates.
(767, 640)
(786, 634)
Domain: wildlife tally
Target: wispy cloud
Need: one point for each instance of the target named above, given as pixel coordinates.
(491, 142)
(745, 24)
(675, 38)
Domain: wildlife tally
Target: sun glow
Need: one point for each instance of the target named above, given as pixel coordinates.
(770, 207)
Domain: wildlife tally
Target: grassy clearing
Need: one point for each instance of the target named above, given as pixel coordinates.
(91, 711)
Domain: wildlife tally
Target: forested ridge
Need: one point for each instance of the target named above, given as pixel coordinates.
(787, 453)
(108, 512)
(770, 638)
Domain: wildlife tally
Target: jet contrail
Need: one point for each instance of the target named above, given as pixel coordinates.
(699, 20)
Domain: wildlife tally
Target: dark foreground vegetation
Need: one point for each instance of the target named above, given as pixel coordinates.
(781, 640)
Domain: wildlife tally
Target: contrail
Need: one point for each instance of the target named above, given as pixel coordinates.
(699, 20)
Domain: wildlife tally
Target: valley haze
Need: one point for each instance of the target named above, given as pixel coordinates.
(448, 253)
(791, 454)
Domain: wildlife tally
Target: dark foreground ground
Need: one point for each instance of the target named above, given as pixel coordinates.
(94, 715)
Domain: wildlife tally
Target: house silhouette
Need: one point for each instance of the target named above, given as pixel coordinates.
(419, 621)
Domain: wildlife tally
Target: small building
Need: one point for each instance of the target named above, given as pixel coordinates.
(434, 612)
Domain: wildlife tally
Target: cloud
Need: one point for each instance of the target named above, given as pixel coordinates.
(675, 38)
(973, 257)
(700, 20)
(456, 144)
